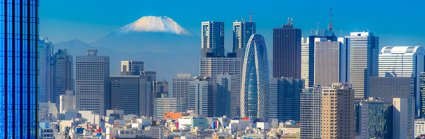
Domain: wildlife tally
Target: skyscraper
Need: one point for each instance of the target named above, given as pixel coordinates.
(127, 92)
(375, 119)
(160, 89)
(363, 48)
(310, 112)
(163, 105)
(91, 82)
(242, 30)
(213, 66)
(200, 94)
(324, 36)
(212, 39)
(61, 74)
(422, 94)
(223, 89)
(18, 76)
(255, 79)
(403, 118)
(328, 63)
(404, 61)
(181, 89)
(45, 49)
(287, 51)
(132, 67)
(285, 95)
(338, 111)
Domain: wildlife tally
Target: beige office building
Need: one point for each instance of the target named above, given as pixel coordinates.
(338, 112)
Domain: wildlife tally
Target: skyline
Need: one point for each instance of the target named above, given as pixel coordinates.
(89, 21)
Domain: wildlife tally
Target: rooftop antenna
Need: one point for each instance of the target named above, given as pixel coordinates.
(290, 20)
(250, 17)
(330, 19)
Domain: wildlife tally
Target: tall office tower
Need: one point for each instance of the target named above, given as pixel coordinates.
(284, 99)
(338, 112)
(223, 89)
(375, 119)
(213, 66)
(404, 61)
(403, 118)
(127, 92)
(67, 102)
(304, 60)
(132, 67)
(200, 94)
(325, 36)
(287, 51)
(91, 82)
(45, 48)
(422, 93)
(328, 63)
(163, 105)
(387, 88)
(181, 89)
(160, 89)
(212, 38)
(18, 68)
(255, 79)
(241, 32)
(310, 112)
(147, 106)
(61, 74)
(363, 50)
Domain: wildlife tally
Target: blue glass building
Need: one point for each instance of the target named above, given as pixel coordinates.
(18, 64)
(255, 79)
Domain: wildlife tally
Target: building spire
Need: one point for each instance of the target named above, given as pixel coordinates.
(330, 19)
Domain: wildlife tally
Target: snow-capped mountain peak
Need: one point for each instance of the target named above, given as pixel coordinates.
(155, 24)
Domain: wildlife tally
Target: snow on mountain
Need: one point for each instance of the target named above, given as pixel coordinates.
(155, 24)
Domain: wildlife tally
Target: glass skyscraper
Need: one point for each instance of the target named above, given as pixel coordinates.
(255, 79)
(18, 68)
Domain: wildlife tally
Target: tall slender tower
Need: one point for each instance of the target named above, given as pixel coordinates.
(212, 35)
(45, 48)
(255, 79)
(242, 30)
(287, 51)
(18, 68)
(363, 51)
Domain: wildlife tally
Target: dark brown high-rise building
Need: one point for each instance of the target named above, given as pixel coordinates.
(287, 51)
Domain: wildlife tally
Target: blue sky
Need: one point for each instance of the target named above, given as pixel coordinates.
(397, 22)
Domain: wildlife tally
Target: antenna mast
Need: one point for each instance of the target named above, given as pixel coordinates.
(330, 19)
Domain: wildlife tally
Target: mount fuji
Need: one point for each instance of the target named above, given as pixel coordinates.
(159, 41)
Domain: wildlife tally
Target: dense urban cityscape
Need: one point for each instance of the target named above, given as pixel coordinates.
(316, 85)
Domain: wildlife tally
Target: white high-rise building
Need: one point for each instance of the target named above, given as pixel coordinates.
(91, 82)
(363, 50)
(132, 67)
(403, 61)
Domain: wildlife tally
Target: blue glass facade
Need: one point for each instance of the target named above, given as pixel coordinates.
(18, 77)
(255, 79)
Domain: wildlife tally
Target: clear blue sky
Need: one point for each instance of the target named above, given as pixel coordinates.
(397, 22)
